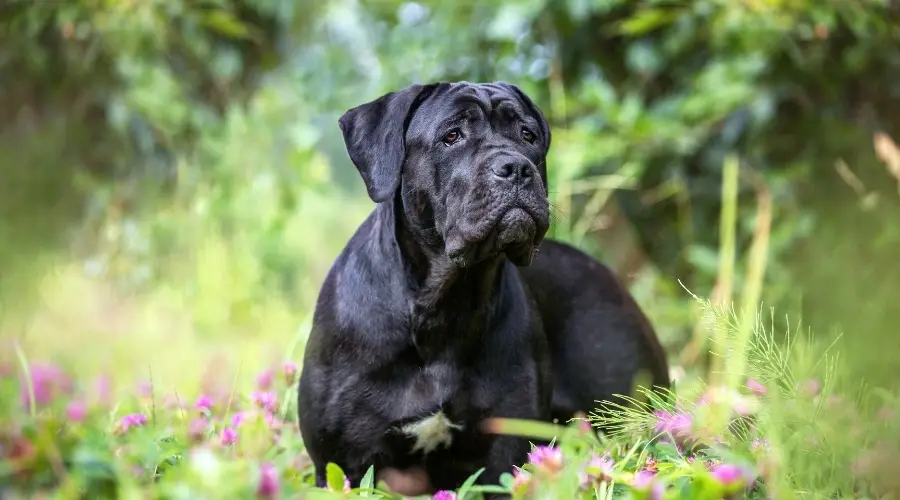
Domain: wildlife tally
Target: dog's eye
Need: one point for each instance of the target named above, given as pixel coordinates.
(527, 135)
(451, 137)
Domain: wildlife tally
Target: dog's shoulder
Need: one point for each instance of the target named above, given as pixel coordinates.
(362, 297)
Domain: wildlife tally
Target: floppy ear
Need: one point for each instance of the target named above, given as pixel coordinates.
(374, 137)
(535, 111)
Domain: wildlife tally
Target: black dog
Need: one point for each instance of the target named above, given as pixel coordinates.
(439, 313)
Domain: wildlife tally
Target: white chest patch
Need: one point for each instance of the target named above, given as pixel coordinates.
(431, 432)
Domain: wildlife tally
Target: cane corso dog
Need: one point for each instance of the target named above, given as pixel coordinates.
(447, 307)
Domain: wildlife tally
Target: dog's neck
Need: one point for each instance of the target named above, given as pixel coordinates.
(451, 306)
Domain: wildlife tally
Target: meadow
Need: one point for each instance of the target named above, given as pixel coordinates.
(173, 416)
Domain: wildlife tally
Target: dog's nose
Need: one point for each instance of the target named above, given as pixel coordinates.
(516, 171)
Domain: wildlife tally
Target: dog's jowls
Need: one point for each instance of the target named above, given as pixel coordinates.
(447, 307)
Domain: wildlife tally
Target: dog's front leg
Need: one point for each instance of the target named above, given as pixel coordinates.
(504, 453)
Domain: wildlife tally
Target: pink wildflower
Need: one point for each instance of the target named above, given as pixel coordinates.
(130, 421)
(731, 477)
(811, 388)
(444, 495)
(673, 422)
(704, 399)
(145, 389)
(548, 458)
(197, 429)
(238, 418)
(268, 481)
(642, 478)
(204, 402)
(267, 400)
(756, 387)
(264, 379)
(48, 382)
(597, 470)
(103, 388)
(76, 410)
(271, 420)
(600, 468)
(741, 404)
(229, 436)
(728, 473)
(760, 445)
(521, 481)
(290, 373)
(584, 425)
(646, 486)
(679, 425)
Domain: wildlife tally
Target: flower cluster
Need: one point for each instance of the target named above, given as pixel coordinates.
(227, 436)
(209, 427)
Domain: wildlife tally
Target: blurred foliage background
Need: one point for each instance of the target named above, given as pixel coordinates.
(173, 184)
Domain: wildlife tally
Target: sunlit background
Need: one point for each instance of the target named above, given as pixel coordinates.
(174, 186)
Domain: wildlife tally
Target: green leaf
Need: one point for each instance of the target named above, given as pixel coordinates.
(667, 451)
(464, 489)
(368, 481)
(226, 24)
(489, 488)
(334, 476)
(645, 21)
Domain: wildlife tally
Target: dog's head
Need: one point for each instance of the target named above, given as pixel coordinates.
(468, 161)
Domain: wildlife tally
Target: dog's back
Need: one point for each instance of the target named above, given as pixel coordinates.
(598, 336)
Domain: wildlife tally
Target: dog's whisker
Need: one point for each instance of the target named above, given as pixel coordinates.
(555, 211)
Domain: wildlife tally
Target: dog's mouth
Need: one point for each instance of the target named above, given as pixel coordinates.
(516, 234)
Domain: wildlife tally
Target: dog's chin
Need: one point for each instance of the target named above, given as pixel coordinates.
(515, 236)
(521, 255)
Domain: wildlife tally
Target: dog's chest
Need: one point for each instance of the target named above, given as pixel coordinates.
(441, 389)
(432, 432)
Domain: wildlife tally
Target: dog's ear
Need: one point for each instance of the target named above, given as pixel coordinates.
(533, 109)
(374, 137)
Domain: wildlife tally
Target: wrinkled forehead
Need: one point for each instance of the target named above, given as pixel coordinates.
(455, 101)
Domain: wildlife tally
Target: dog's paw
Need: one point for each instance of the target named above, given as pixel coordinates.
(407, 482)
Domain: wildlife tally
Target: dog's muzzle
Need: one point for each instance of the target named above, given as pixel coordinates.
(515, 228)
